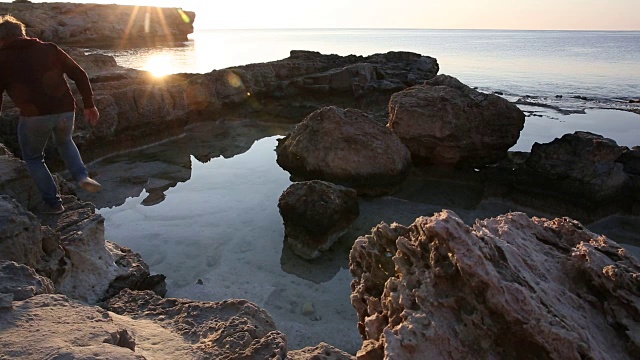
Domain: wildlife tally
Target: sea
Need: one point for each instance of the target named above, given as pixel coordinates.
(599, 65)
(207, 216)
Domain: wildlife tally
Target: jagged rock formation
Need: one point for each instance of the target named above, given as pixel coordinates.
(345, 147)
(447, 122)
(316, 214)
(102, 25)
(510, 287)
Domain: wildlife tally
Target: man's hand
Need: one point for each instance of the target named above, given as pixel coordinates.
(92, 115)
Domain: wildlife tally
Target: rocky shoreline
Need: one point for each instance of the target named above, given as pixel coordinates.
(506, 287)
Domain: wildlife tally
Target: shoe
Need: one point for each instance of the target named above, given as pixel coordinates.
(90, 185)
(53, 209)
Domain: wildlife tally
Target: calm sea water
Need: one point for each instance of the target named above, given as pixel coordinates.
(595, 64)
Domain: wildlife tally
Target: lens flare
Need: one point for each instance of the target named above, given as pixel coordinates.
(160, 65)
(184, 16)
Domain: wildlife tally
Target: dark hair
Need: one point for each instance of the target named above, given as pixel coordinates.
(11, 28)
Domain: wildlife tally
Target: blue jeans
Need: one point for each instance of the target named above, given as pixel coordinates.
(33, 133)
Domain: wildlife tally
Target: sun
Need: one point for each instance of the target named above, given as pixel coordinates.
(159, 65)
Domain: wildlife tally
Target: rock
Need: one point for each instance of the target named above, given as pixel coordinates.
(509, 287)
(102, 25)
(232, 329)
(6, 301)
(13, 173)
(53, 326)
(307, 309)
(316, 214)
(138, 276)
(345, 147)
(581, 164)
(22, 282)
(322, 351)
(20, 234)
(446, 122)
(630, 160)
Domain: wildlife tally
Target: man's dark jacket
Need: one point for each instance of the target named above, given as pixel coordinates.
(31, 71)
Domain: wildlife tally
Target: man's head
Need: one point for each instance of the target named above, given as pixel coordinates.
(10, 28)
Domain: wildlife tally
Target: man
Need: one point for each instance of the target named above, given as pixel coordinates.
(32, 73)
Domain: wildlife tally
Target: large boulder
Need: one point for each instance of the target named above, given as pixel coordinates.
(581, 164)
(345, 147)
(316, 214)
(447, 122)
(509, 287)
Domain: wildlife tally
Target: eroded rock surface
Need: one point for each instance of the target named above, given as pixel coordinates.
(56, 327)
(232, 329)
(316, 214)
(447, 122)
(322, 351)
(22, 281)
(345, 147)
(102, 25)
(509, 287)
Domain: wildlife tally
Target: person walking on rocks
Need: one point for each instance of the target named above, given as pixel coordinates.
(32, 73)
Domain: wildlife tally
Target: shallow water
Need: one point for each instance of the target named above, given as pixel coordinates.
(204, 206)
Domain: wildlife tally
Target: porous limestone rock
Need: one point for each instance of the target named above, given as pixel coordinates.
(510, 287)
(22, 282)
(56, 327)
(316, 214)
(13, 173)
(20, 234)
(322, 351)
(447, 122)
(231, 329)
(345, 147)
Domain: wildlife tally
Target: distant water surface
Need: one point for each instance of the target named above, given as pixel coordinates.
(594, 64)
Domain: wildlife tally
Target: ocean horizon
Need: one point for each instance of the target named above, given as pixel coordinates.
(603, 65)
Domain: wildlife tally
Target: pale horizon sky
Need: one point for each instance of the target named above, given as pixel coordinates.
(414, 14)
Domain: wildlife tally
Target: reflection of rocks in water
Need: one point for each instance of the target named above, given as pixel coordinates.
(448, 187)
(162, 166)
(155, 197)
(318, 270)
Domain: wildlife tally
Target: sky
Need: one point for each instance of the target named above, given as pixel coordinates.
(415, 14)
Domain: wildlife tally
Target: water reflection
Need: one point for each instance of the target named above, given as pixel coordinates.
(204, 207)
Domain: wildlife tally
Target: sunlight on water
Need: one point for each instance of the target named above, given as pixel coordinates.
(160, 65)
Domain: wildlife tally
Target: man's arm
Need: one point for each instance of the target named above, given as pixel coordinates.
(79, 76)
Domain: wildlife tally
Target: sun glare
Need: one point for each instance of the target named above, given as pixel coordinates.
(159, 65)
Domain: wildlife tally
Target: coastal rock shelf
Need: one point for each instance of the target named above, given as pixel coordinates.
(102, 25)
(510, 287)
